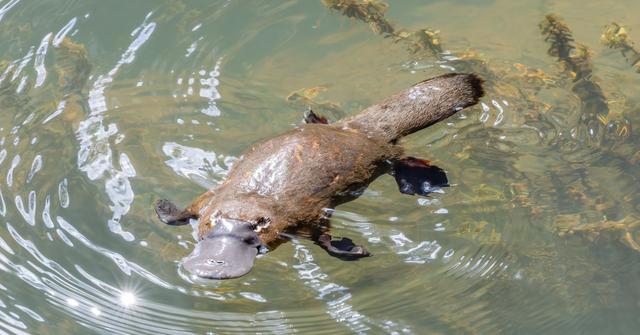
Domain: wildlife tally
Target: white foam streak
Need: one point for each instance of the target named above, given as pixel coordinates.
(38, 64)
(23, 62)
(28, 214)
(500, 116)
(46, 212)
(57, 112)
(201, 166)
(6, 72)
(95, 156)
(36, 166)
(14, 163)
(126, 266)
(62, 33)
(337, 297)
(209, 90)
(3, 206)
(7, 7)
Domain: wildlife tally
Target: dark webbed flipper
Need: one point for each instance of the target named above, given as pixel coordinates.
(171, 215)
(418, 176)
(311, 117)
(344, 248)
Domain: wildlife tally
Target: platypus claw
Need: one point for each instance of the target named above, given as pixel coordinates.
(171, 215)
(344, 248)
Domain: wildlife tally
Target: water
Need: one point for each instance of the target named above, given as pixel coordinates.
(107, 106)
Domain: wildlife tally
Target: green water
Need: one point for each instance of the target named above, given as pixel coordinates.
(155, 99)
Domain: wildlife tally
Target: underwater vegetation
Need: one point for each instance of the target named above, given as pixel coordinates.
(616, 37)
(599, 127)
(587, 147)
(586, 192)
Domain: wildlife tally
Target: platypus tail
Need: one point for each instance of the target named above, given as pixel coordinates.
(418, 107)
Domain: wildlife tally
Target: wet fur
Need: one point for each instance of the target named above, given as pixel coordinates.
(288, 181)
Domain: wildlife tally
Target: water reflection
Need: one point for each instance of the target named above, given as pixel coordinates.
(95, 154)
(106, 110)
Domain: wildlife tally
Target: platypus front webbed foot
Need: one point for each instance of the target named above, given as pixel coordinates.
(171, 215)
(344, 248)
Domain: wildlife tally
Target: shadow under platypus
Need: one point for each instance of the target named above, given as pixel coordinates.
(285, 185)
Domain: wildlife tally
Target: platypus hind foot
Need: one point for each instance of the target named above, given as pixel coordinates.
(171, 215)
(311, 117)
(418, 176)
(344, 248)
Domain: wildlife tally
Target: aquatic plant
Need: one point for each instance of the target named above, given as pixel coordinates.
(10, 87)
(369, 11)
(623, 230)
(615, 36)
(427, 43)
(560, 39)
(72, 65)
(373, 11)
(576, 59)
(604, 128)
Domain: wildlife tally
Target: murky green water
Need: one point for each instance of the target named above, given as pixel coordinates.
(106, 106)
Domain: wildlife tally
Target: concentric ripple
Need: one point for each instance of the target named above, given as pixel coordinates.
(106, 107)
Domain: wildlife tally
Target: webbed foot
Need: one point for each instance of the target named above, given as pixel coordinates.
(171, 215)
(311, 117)
(418, 176)
(344, 248)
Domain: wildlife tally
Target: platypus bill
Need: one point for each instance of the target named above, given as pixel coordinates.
(287, 185)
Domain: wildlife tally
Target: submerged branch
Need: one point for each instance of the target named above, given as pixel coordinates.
(373, 11)
(622, 230)
(576, 59)
(369, 11)
(615, 37)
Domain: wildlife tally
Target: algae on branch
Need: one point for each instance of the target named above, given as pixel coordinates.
(427, 43)
(615, 37)
(576, 60)
(600, 122)
(369, 11)
(10, 97)
(624, 230)
(72, 65)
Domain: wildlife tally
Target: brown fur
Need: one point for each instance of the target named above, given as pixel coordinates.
(291, 179)
(418, 107)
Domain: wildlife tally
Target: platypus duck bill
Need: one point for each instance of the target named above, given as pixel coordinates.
(227, 251)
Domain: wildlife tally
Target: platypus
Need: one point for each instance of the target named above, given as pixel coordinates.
(288, 185)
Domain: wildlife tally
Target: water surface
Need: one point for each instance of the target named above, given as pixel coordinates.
(107, 106)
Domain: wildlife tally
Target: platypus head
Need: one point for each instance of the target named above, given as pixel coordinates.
(226, 251)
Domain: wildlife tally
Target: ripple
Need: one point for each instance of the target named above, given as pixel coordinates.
(36, 166)
(6, 7)
(176, 94)
(95, 154)
(62, 33)
(38, 63)
(204, 167)
(336, 296)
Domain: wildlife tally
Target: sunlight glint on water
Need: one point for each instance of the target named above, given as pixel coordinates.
(108, 106)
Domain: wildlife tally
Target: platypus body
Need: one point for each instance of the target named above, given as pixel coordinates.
(287, 185)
